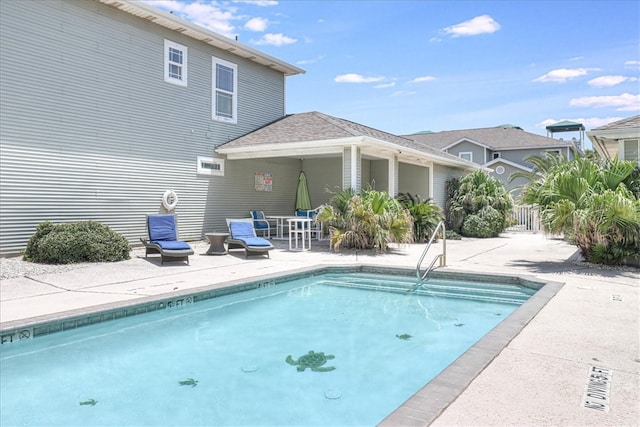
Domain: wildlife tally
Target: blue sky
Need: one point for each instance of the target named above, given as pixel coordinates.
(409, 66)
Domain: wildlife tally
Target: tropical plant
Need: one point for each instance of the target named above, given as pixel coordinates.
(594, 203)
(479, 205)
(425, 213)
(369, 220)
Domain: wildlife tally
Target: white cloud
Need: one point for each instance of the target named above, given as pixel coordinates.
(635, 65)
(483, 24)
(310, 61)
(211, 15)
(608, 81)
(275, 39)
(563, 74)
(258, 2)
(422, 79)
(256, 24)
(385, 85)
(403, 93)
(624, 102)
(356, 78)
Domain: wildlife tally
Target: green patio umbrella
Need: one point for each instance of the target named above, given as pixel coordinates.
(303, 202)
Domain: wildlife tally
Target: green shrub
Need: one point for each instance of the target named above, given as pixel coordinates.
(73, 242)
(452, 235)
(478, 205)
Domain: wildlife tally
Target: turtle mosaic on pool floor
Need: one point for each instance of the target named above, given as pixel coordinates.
(312, 360)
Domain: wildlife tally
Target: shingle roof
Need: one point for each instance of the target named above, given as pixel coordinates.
(316, 126)
(496, 138)
(628, 123)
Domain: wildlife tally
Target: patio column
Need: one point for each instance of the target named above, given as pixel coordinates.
(351, 168)
(355, 159)
(393, 176)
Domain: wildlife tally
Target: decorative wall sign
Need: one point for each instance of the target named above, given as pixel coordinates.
(263, 181)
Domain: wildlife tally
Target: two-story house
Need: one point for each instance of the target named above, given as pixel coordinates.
(107, 104)
(620, 138)
(503, 149)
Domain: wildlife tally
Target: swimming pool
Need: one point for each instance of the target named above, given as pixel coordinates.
(238, 359)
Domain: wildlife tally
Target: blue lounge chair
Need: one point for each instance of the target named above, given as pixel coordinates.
(260, 223)
(242, 235)
(163, 239)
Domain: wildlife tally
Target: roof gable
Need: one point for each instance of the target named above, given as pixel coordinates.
(495, 138)
(320, 133)
(628, 123)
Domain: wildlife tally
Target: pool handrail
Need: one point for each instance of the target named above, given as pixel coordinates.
(442, 257)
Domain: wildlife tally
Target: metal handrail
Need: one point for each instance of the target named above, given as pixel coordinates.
(442, 257)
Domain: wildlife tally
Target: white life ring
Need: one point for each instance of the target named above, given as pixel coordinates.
(169, 200)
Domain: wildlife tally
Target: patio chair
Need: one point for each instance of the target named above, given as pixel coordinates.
(162, 231)
(242, 235)
(260, 223)
(316, 226)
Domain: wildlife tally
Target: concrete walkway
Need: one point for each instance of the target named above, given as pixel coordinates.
(540, 378)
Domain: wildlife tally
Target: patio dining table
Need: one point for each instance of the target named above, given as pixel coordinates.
(281, 223)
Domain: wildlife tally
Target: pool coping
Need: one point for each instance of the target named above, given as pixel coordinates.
(426, 405)
(421, 409)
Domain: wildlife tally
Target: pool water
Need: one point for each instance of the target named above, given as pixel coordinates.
(224, 361)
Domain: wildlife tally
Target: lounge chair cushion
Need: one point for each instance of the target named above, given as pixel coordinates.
(255, 241)
(244, 231)
(162, 228)
(175, 245)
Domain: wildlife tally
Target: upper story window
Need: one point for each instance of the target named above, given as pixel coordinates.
(225, 91)
(496, 155)
(467, 155)
(631, 150)
(175, 63)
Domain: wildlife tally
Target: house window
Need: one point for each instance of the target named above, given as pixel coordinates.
(175, 63)
(496, 155)
(553, 151)
(210, 166)
(467, 155)
(631, 150)
(225, 91)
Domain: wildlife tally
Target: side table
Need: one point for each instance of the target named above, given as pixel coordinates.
(216, 243)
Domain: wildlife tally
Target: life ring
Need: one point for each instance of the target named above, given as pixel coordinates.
(169, 200)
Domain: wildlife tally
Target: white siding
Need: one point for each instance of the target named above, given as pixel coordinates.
(90, 130)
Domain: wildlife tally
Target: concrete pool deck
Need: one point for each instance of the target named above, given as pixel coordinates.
(540, 378)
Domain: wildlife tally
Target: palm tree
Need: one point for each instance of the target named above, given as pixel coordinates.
(426, 215)
(590, 201)
(369, 220)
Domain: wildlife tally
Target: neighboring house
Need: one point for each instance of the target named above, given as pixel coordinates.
(502, 149)
(620, 138)
(106, 104)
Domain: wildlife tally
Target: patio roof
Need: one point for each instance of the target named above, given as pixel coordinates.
(314, 134)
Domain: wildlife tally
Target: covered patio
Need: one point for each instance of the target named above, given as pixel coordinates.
(338, 154)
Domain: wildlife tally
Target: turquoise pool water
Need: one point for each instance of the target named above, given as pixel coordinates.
(224, 361)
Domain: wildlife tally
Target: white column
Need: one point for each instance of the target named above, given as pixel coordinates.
(354, 168)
